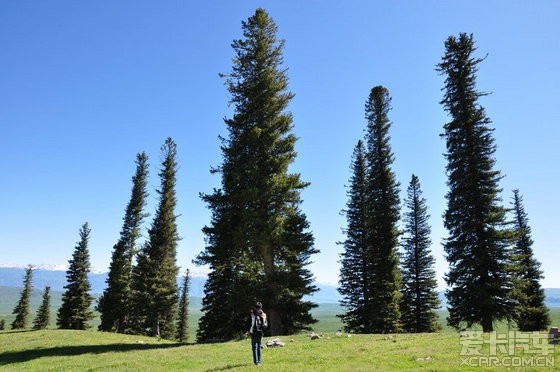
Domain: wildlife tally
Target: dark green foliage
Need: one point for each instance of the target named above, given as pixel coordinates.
(532, 314)
(183, 319)
(154, 278)
(218, 300)
(478, 240)
(420, 297)
(44, 312)
(74, 313)
(353, 273)
(258, 243)
(2, 324)
(114, 305)
(22, 308)
(370, 279)
(383, 215)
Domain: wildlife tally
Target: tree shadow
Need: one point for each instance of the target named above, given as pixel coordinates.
(16, 331)
(27, 355)
(229, 366)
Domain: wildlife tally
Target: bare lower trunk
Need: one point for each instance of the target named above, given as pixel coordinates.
(155, 327)
(486, 323)
(122, 324)
(268, 259)
(274, 320)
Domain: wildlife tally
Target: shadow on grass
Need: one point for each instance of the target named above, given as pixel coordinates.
(16, 331)
(229, 366)
(27, 355)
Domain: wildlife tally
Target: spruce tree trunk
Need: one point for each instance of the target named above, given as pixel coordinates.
(122, 324)
(268, 259)
(487, 325)
(274, 320)
(155, 327)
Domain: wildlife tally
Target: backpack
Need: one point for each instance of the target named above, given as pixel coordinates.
(260, 323)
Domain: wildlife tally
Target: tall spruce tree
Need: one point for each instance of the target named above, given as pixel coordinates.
(74, 313)
(258, 240)
(354, 280)
(44, 312)
(419, 283)
(478, 240)
(21, 310)
(383, 216)
(154, 283)
(115, 303)
(183, 318)
(532, 313)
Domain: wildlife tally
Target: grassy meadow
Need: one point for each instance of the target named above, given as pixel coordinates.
(61, 350)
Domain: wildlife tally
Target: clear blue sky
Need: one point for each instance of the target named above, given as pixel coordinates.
(86, 85)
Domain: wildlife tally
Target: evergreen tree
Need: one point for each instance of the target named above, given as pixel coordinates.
(44, 312)
(420, 297)
(183, 321)
(154, 284)
(74, 313)
(354, 281)
(114, 305)
(478, 240)
(258, 240)
(218, 295)
(532, 313)
(21, 310)
(384, 282)
(2, 324)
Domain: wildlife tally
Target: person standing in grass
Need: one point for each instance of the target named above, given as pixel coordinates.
(258, 323)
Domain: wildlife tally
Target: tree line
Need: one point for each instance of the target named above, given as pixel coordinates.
(259, 243)
(142, 294)
(493, 275)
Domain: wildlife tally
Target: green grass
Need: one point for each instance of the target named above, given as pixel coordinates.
(328, 322)
(57, 350)
(9, 296)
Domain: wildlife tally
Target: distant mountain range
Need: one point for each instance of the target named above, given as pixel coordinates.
(56, 279)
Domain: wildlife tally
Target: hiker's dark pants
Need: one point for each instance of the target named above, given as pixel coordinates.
(256, 341)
